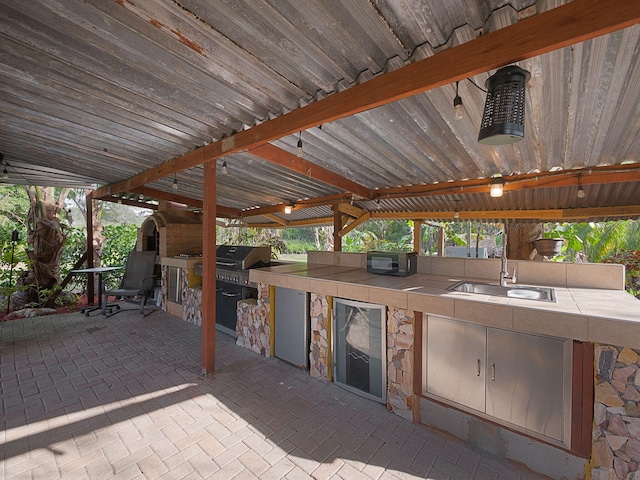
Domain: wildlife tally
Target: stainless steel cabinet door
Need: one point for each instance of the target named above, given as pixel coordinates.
(292, 326)
(525, 381)
(456, 354)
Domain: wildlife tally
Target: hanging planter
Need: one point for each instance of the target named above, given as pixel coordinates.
(548, 247)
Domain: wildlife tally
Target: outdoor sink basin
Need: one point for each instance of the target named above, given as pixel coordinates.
(541, 294)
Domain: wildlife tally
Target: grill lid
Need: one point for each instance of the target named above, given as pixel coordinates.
(242, 257)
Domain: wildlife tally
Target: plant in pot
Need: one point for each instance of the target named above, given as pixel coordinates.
(552, 242)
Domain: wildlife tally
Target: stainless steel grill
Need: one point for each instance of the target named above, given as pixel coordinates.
(232, 280)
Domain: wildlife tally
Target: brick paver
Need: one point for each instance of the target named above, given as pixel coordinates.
(122, 398)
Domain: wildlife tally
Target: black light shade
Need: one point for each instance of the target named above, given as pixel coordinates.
(503, 116)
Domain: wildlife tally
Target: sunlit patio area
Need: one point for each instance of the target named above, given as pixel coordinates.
(121, 397)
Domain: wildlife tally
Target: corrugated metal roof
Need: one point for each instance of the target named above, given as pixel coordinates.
(97, 92)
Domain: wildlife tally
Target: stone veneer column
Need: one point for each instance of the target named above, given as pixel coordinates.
(253, 327)
(616, 429)
(164, 273)
(319, 352)
(400, 342)
(192, 305)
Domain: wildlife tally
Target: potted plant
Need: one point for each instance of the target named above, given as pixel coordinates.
(551, 243)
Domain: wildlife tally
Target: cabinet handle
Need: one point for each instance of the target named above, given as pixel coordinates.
(478, 368)
(493, 372)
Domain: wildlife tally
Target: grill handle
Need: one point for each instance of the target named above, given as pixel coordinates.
(228, 294)
(225, 264)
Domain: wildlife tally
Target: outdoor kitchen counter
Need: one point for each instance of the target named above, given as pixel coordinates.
(586, 314)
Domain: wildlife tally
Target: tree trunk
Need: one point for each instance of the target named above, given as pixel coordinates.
(46, 239)
(520, 238)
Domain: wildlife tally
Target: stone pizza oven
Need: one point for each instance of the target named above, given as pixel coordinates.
(171, 233)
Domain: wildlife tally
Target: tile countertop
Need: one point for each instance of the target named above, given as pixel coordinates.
(586, 314)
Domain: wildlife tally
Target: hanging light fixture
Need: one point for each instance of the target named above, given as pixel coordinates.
(580, 193)
(458, 108)
(225, 171)
(141, 196)
(174, 185)
(288, 209)
(503, 117)
(497, 187)
(299, 146)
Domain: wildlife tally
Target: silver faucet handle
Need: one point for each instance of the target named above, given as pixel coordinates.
(513, 277)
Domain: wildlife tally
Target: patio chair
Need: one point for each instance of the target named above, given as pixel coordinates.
(137, 281)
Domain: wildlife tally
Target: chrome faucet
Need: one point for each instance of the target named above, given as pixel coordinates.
(504, 272)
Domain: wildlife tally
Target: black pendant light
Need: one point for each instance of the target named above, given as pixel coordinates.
(503, 116)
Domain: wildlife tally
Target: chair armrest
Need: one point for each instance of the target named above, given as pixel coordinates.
(147, 282)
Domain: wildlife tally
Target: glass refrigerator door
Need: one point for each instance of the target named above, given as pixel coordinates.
(360, 348)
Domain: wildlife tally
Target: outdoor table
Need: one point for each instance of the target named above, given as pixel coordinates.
(99, 271)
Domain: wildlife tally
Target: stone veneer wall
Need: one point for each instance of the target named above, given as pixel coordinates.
(400, 344)
(319, 352)
(253, 327)
(164, 274)
(192, 305)
(616, 429)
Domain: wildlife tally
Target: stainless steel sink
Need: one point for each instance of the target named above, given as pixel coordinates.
(541, 294)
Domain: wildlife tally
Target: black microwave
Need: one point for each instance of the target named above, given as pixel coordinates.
(400, 264)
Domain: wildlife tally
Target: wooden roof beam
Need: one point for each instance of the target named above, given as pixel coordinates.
(292, 162)
(559, 27)
(358, 221)
(306, 203)
(563, 178)
(569, 214)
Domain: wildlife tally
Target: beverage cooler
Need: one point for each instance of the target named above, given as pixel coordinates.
(359, 355)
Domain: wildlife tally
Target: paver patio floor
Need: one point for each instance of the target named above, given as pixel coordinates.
(121, 397)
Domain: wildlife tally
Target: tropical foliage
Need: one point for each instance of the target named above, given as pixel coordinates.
(253, 237)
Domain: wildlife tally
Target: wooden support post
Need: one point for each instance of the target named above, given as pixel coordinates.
(417, 236)
(441, 241)
(209, 270)
(90, 253)
(337, 227)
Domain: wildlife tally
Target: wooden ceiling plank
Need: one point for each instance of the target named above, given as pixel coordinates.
(287, 160)
(551, 30)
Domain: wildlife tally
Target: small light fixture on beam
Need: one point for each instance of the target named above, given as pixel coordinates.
(299, 146)
(174, 185)
(497, 187)
(225, 170)
(288, 209)
(141, 196)
(458, 108)
(503, 116)
(580, 193)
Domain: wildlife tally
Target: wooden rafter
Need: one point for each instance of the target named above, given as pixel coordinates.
(564, 178)
(277, 219)
(554, 29)
(292, 162)
(553, 215)
(351, 210)
(556, 214)
(306, 203)
(358, 221)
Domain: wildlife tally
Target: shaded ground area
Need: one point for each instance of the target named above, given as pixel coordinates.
(122, 397)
